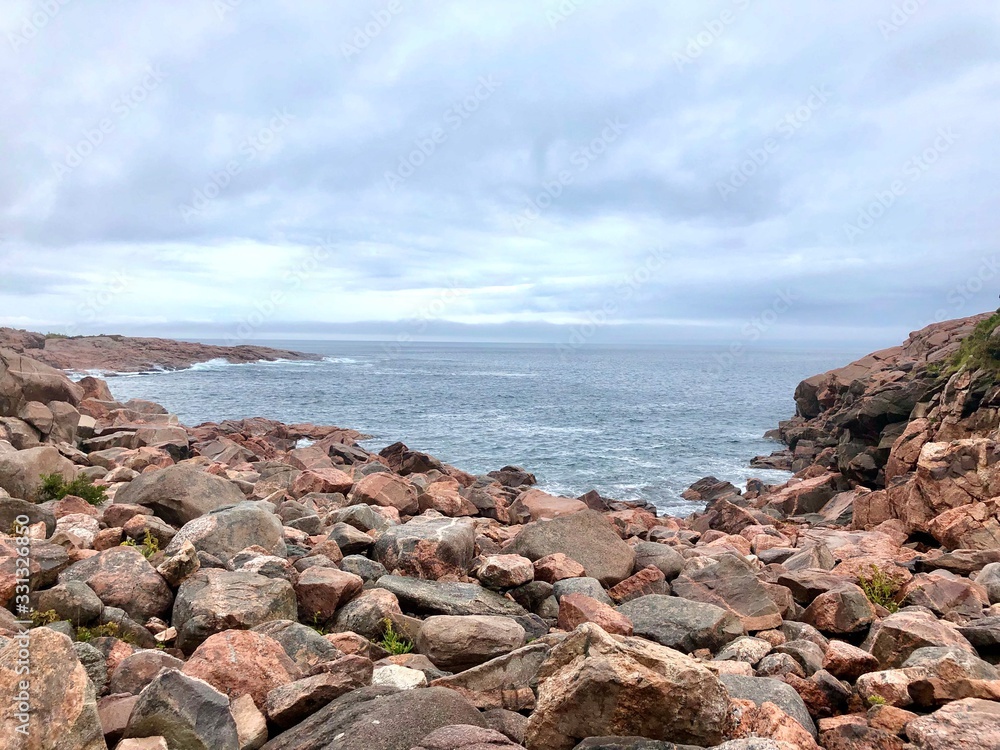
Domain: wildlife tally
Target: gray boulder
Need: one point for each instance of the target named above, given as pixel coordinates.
(180, 493)
(682, 624)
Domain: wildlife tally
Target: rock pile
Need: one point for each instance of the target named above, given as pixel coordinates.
(237, 591)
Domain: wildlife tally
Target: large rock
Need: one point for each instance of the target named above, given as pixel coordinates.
(387, 490)
(464, 737)
(730, 583)
(123, 578)
(535, 505)
(893, 639)
(428, 547)
(12, 508)
(214, 600)
(457, 643)
(596, 685)
(55, 701)
(223, 533)
(187, 712)
(304, 646)
(586, 537)
(21, 471)
(366, 615)
(242, 662)
(321, 591)
(379, 718)
(441, 598)
(682, 624)
(969, 724)
(23, 379)
(180, 493)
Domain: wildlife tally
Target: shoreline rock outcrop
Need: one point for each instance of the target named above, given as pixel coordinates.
(221, 587)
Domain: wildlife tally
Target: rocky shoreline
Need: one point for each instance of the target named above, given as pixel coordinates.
(234, 589)
(126, 354)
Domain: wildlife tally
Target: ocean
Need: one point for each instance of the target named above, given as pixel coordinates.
(633, 423)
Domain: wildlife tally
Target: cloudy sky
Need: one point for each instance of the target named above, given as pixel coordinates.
(693, 170)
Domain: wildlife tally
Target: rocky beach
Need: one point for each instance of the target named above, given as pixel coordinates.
(251, 584)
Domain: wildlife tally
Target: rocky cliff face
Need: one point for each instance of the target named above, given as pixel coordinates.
(130, 354)
(868, 420)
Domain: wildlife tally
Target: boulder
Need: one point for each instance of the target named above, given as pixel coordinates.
(730, 583)
(288, 704)
(366, 615)
(893, 639)
(457, 643)
(320, 591)
(558, 567)
(179, 494)
(56, 701)
(465, 737)
(969, 724)
(224, 532)
(442, 598)
(242, 662)
(681, 623)
(842, 611)
(593, 685)
(505, 571)
(121, 577)
(848, 662)
(12, 508)
(576, 609)
(138, 669)
(321, 480)
(74, 601)
(187, 712)
(213, 600)
(535, 505)
(23, 379)
(387, 490)
(428, 547)
(21, 471)
(669, 561)
(586, 537)
(370, 719)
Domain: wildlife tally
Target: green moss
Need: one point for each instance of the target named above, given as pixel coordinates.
(978, 350)
(149, 547)
(54, 487)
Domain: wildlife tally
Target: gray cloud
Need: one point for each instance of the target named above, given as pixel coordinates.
(388, 161)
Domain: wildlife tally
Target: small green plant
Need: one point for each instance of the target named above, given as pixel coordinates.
(393, 642)
(149, 547)
(876, 700)
(317, 624)
(107, 630)
(54, 487)
(880, 588)
(38, 619)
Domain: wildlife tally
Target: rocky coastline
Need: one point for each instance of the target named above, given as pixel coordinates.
(226, 586)
(127, 354)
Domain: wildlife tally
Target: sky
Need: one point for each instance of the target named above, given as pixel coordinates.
(746, 171)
